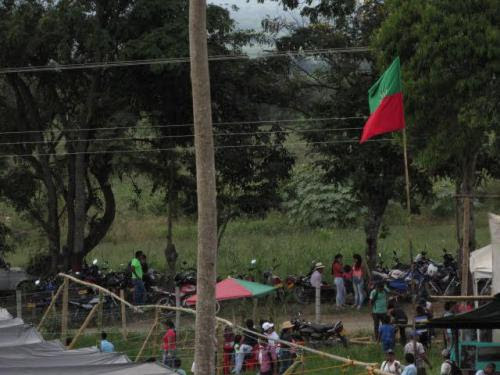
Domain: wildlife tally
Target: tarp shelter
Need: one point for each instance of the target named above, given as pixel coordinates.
(236, 289)
(122, 369)
(78, 357)
(481, 263)
(4, 314)
(11, 322)
(19, 335)
(486, 316)
(44, 348)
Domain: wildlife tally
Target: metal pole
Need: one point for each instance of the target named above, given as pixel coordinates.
(177, 304)
(465, 247)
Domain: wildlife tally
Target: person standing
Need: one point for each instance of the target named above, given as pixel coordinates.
(137, 278)
(447, 365)
(285, 357)
(169, 344)
(410, 368)
(416, 348)
(390, 364)
(248, 343)
(399, 318)
(387, 334)
(317, 276)
(338, 277)
(358, 281)
(272, 344)
(448, 311)
(378, 299)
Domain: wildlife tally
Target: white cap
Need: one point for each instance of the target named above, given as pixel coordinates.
(266, 326)
(318, 265)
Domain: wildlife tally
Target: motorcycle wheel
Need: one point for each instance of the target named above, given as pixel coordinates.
(300, 294)
(344, 341)
(166, 300)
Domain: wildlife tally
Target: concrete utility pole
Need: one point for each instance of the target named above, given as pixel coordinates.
(206, 192)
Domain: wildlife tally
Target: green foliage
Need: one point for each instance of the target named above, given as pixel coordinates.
(450, 56)
(311, 201)
(444, 191)
(6, 244)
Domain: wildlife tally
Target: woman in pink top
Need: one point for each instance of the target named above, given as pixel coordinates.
(358, 281)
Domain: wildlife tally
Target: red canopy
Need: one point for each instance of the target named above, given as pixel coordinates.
(235, 289)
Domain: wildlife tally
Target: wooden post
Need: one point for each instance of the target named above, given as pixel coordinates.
(155, 335)
(124, 314)
(100, 311)
(254, 310)
(177, 312)
(83, 326)
(465, 248)
(51, 305)
(19, 303)
(64, 317)
(206, 190)
(318, 304)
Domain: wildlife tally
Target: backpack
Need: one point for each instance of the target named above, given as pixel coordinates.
(455, 370)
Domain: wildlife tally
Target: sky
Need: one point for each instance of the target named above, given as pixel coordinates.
(251, 12)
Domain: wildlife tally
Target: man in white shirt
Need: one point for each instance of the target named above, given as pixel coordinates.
(390, 364)
(417, 349)
(317, 275)
(446, 365)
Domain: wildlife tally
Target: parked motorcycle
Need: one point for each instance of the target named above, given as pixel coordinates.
(320, 334)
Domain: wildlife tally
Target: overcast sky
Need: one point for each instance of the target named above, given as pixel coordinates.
(251, 13)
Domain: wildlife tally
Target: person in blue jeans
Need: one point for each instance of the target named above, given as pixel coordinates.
(386, 334)
(137, 278)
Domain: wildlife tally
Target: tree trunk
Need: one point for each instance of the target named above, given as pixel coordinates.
(80, 207)
(170, 251)
(205, 340)
(373, 221)
(70, 210)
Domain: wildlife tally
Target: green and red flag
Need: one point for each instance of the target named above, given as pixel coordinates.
(386, 104)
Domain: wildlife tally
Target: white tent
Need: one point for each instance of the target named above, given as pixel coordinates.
(481, 263)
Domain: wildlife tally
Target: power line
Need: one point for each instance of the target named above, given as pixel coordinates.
(227, 123)
(54, 66)
(190, 148)
(217, 134)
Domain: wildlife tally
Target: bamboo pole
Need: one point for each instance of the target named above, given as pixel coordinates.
(65, 302)
(83, 326)
(151, 330)
(51, 305)
(123, 314)
(19, 303)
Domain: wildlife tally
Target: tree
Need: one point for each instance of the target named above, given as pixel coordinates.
(449, 53)
(55, 119)
(336, 86)
(206, 190)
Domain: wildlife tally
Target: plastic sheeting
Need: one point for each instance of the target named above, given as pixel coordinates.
(19, 335)
(11, 322)
(44, 348)
(125, 369)
(64, 358)
(4, 314)
(480, 263)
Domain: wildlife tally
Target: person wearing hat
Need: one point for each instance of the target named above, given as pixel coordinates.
(272, 344)
(416, 348)
(390, 364)
(488, 370)
(285, 354)
(317, 275)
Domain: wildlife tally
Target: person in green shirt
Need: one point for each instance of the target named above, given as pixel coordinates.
(378, 298)
(137, 275)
